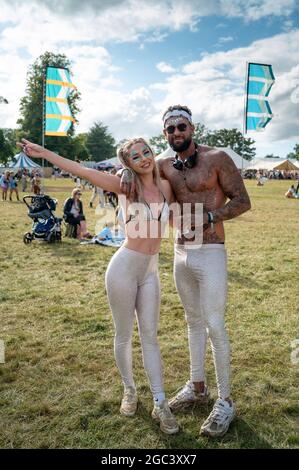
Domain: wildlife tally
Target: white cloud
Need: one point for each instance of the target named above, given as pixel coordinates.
(165, 68)
(224, 39)
(126, 114)
(53, 21)
(213, 87)
(12, 78)
(253, 10)
(39, 26)
(157, 36)
(288, 25)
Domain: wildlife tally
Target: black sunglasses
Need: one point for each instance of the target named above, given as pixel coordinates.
(181, 127)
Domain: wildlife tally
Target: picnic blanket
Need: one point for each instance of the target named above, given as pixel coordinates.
(107, 237)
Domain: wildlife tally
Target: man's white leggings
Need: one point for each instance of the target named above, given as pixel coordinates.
(132, 283)
(201, 280)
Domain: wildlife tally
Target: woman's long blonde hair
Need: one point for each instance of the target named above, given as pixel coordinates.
(124, 154)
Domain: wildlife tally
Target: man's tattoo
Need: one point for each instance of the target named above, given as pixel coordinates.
(233, 187)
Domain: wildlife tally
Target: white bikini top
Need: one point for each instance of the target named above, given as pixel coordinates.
(143, 211)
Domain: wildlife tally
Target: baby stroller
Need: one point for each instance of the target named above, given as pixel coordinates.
(45, 225)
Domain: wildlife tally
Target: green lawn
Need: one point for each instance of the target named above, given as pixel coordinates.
(59, 386)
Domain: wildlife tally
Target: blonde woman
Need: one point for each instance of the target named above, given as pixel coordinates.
(132, 279)
(73, 214)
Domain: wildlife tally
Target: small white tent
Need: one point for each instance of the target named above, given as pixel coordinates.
(240, 162)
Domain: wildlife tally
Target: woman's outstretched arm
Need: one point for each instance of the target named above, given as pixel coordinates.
(97, 178)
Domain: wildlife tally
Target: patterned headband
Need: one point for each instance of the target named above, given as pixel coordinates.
(176, 113)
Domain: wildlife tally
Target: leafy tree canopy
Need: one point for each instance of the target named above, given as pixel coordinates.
(7, 149)
(221, 138)
(99, 143)
(295, 153)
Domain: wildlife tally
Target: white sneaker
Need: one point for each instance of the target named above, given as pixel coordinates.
(129, 402)
(187, 396)
(163, 414)
(219, 419)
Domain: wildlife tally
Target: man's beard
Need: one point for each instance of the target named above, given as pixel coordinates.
(182, 146)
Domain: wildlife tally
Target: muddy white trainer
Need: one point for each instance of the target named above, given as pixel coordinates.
(187, 396)
(129, 402)
(217, 423)
(163, 414)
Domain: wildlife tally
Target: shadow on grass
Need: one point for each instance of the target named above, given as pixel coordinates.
(239, 436)
(71, 248)
(103, 427)
(247, 437)
(248, 281)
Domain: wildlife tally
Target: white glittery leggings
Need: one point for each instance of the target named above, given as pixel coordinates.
(201, 280)
(132, 283)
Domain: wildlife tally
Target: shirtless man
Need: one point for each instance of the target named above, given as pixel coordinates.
(201, 174)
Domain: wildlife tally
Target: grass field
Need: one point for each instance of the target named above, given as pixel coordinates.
(59, 386)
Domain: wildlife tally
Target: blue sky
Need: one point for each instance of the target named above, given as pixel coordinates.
(212, 34)
(131, 59)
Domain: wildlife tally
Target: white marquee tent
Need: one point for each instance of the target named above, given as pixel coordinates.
(112, 161)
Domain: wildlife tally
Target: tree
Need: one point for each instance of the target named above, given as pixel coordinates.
(12, 137)
(200, 132)
(202, 135)
(99, 143)
(79, 147)
(31, 105)
(6, 149)
(296, 151)
(159, 143)
(222, 138)
(235, 140)
(225, 138)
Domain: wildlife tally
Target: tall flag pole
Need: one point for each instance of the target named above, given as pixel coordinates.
(43, 126)
(44, 107)
(58, 114)
(259, 81)
(244, 114)
(257, 111)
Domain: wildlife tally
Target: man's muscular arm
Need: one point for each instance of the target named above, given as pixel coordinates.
(159, 163)
(127, 182)
(233, 187)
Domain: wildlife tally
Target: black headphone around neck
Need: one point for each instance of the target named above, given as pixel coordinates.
(190, 162)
